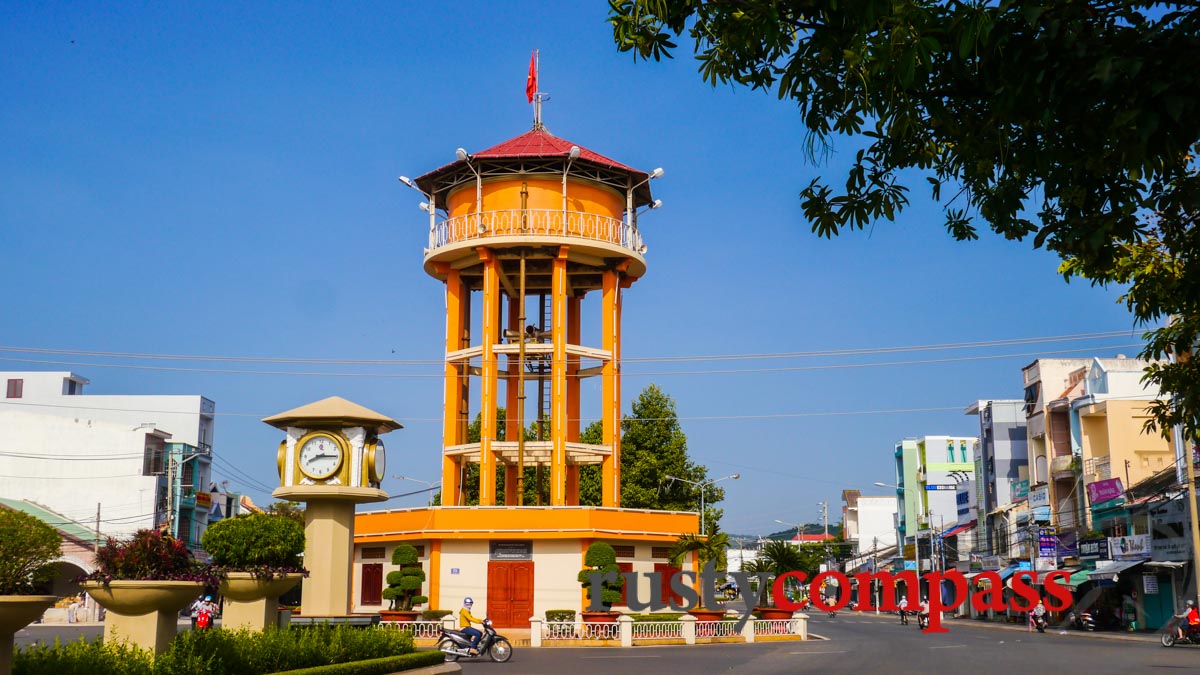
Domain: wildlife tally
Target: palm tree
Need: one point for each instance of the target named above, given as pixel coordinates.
(775, 558)
(710, 548)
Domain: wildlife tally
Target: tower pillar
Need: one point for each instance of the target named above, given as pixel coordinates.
(610, 393)
(558, 380)
(488, 376)
(455, 404)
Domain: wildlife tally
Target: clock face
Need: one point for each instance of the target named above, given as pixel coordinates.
(378, 462)
(320, 457)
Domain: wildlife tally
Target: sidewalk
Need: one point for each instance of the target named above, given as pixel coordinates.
(951, 622)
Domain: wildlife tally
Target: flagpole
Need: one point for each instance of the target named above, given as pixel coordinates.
(537, 98)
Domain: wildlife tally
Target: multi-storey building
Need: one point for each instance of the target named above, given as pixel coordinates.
(1001, 469)
(868, 522)
(928, 471)
(142, 461)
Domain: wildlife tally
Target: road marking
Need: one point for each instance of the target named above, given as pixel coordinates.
(841, 652)
(947, 646)
(647, 656)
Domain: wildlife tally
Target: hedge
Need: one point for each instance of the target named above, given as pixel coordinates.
(388, 664)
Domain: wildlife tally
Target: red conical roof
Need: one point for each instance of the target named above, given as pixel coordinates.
(526, 153)
(541, 143)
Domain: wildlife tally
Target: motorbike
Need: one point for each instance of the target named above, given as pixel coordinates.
(1082, 621)
(1191, 633)
(455, 644)
(1039, 622)
(922, 620)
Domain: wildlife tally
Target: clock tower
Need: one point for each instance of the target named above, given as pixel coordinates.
(332, 459)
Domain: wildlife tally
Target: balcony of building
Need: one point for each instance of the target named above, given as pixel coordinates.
(535, 452)
(601, 236)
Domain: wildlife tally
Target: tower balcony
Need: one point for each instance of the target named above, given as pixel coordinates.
(588, 234)
(536, 452)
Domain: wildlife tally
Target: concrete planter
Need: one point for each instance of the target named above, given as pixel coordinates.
(772, 613)
(16, 612)
(253, 603)
(404, 616)
(143, 612)
(707, 614)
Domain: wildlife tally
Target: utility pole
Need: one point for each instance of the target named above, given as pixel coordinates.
(96, 546)
(825, 514)
(171, 496)
(1033, 542)
(874, 569)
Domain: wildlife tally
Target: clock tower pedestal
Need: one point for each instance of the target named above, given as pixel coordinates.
(332, 460)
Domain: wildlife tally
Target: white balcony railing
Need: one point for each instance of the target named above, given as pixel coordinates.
(536, 222)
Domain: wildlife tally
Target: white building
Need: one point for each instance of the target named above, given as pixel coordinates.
(145, 460)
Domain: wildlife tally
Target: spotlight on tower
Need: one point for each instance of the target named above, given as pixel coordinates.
(574, 154)
(657, 173)
(424, 206)
(461, 154)
(656, 204)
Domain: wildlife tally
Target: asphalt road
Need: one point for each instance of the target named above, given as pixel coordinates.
(859, 644)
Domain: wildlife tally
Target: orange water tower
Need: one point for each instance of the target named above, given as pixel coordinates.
(520, 233)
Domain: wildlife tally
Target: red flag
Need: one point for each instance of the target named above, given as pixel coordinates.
(531, 80)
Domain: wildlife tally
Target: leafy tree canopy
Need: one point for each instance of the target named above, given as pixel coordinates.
(28, 547)
(1070, 123)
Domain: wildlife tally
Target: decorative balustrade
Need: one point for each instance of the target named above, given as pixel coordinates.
(777, 627)
(429, 630)
(717, 629)
(570, 630)
(535, 222)
(657, 630)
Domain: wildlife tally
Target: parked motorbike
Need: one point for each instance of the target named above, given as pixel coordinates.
(1082, 621)
(455, 644)
(1191, 634)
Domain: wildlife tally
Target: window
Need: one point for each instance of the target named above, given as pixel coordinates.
(72, 387)
(16, 388)
(152, 461)
(623, 551)
(373, 553)
(660, 552)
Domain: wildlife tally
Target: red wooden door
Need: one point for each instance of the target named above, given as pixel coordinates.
(668, 571)
(625, 567)
(371, 589)
(510, 593)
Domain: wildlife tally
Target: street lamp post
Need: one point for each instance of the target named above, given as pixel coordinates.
(703, 485)
(429, 501)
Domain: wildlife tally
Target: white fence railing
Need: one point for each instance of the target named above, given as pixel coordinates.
(420, 629)
(544, 222)
(717, 629)
(657, 630)
(777, 627)
(569, 630)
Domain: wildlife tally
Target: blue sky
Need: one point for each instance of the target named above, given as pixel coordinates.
(213, 180)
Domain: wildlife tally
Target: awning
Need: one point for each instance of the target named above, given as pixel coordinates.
(1079, 578)
(1041, 580)
(1008, 571)
(1111, 572)
(958, 529)
(1167, 564)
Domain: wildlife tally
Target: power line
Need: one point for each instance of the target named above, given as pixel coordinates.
(438, 362)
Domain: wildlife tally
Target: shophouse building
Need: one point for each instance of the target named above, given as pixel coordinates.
(1001, 469)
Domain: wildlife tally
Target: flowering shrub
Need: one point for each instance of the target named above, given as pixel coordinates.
(149, 556)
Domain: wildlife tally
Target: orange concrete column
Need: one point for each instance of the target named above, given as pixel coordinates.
(616, 402)
(574, 336)
(610, 413)
(558, 380)
(512, 426)
(454, 405)
(488, 398)
(435, 572)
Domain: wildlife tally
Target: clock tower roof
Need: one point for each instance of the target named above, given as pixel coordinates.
(334, 410)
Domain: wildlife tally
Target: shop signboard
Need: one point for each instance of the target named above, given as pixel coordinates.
(1020, 489)
(1105, 490)
(1094, 548)
(1040, 497)
(1131, 546)
(1047, 546)
(990, 563)
(203, 500)
(512, 550)
(1170, 538)
(1150, 584)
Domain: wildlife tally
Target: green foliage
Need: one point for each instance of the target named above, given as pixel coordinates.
(709, 548)
(255, 540)
(566, 615)
(404, 584)
(653, 446)
(600, 557)
(222, 652)
(82, 658)
(293, 510)
(660, 616)
(1071, 124)
(435, 614)
(390, 664)
(28, 546)
(149, 555)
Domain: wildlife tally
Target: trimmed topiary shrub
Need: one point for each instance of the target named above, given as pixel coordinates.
(257, 543)
(601, 557)
(435, 614)
(404, 584)
(382, 666)
(560, 615)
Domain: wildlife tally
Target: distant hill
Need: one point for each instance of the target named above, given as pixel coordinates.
(807, 528)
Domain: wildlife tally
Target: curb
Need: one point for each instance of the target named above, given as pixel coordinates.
(435, 670)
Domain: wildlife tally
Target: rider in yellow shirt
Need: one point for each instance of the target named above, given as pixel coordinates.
(465, 619)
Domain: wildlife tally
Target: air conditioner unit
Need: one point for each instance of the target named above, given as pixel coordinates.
(921, 475)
